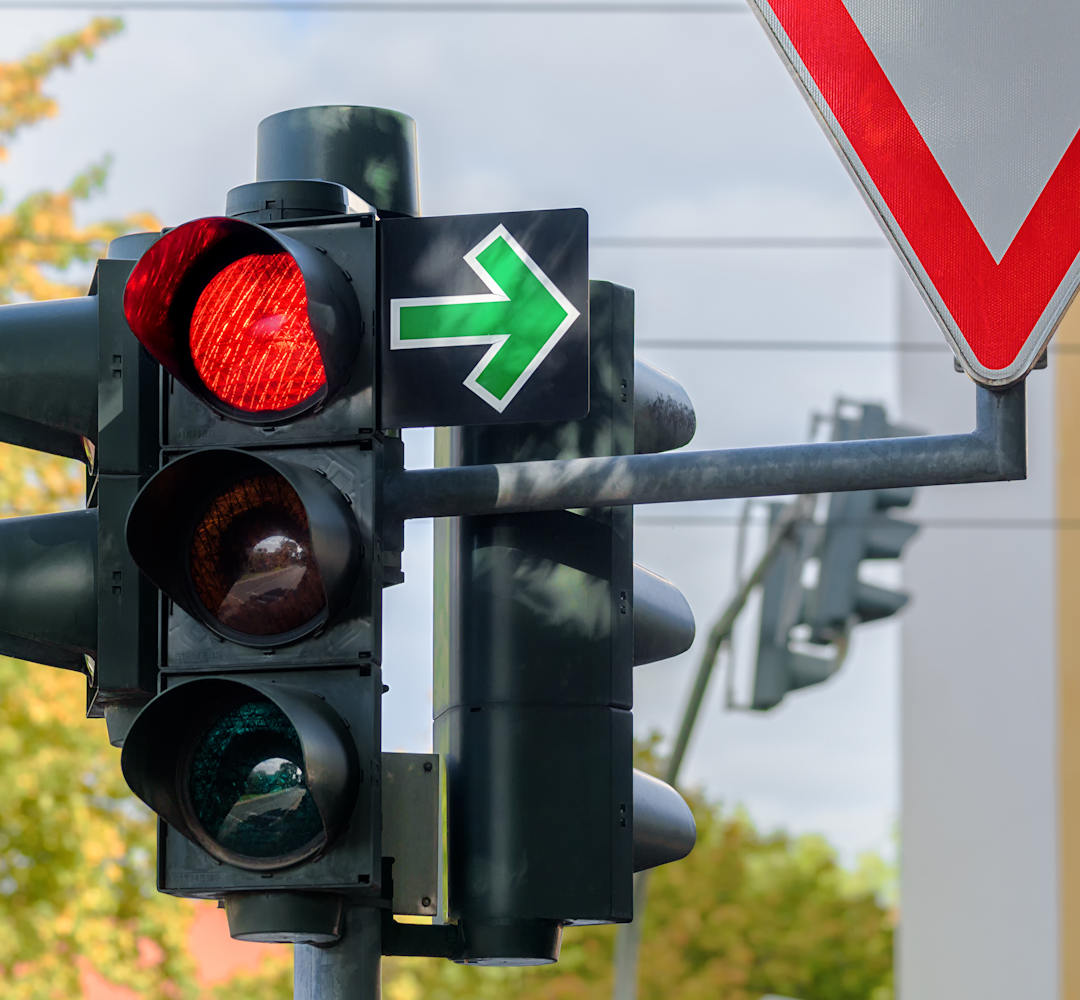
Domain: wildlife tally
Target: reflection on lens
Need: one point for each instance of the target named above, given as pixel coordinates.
(247, 787)
(251, 561)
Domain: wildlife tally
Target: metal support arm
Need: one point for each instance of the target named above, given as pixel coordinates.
(995, 451)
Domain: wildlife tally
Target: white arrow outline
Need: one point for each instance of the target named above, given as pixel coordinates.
(496, 340)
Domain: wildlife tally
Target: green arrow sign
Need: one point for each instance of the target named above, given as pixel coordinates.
(522, 318)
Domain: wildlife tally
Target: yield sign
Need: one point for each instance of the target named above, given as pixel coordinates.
(960, 123)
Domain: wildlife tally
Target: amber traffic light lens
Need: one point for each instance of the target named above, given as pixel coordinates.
(251, 561)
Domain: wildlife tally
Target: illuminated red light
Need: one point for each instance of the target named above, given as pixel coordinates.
(250, 338)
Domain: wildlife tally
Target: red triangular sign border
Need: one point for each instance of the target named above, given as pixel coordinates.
(998, 316)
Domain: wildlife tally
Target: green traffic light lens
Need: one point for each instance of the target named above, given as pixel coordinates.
(247, 789)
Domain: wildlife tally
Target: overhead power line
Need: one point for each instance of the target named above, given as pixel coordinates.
(969, 523)
(765, 344)
(739, 242)
(702, 242)
(373, 7)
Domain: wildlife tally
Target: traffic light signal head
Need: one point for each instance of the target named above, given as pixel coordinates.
(259, 326)
(261, 752)
(259, 550)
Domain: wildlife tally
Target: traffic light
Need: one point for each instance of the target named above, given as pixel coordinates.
(261, 754)
(857, 527)
(540, 618)
(74, 383)
(803, 634)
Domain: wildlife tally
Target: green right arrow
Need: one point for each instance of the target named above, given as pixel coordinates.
(522, 317)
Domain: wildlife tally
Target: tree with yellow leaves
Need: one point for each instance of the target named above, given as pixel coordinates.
(78, 904)
(38, 236)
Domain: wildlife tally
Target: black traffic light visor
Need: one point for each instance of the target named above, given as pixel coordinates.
(260, 775)
(262, 552)
(259, 326)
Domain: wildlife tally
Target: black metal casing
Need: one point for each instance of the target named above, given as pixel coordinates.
(75, 382)
(331, 456)
(124, 673)
(533, 681)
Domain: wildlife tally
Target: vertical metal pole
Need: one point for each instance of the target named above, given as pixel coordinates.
(628, 943)
(628, 936)
(348, 970)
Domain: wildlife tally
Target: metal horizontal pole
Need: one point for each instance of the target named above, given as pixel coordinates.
(995, 451)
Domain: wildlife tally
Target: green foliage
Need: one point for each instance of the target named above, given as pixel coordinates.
(39, 239)
(743, 916)
(76, 852)
(23, 100)
(77, 868)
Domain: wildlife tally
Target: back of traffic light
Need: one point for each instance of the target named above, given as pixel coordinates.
(540, 618)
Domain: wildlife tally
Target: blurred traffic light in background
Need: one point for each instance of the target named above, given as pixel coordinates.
(858, 527)
(805, 626)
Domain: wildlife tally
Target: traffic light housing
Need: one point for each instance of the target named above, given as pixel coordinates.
(75, 384)
(261, 752)
(540, 618)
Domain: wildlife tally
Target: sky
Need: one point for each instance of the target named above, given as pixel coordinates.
(667, 125)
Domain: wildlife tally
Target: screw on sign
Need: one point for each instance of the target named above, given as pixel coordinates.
(965, 143)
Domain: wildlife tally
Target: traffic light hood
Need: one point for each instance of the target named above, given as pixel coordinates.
(262, 552)
(261, 775)
(48, 588)
(260, 326)
(49, 375)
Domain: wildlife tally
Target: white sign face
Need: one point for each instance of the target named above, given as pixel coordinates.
(960, 121)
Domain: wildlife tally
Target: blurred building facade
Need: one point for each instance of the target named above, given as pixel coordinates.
(990, 697)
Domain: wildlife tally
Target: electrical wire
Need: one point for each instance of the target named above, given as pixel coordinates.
(739, 243)
(972, 523)
(374, 7)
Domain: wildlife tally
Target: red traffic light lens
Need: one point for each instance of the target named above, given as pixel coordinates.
(251, 341)
(258, 325)
(251, 562)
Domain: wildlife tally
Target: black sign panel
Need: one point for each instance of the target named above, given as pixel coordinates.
(484, 318)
